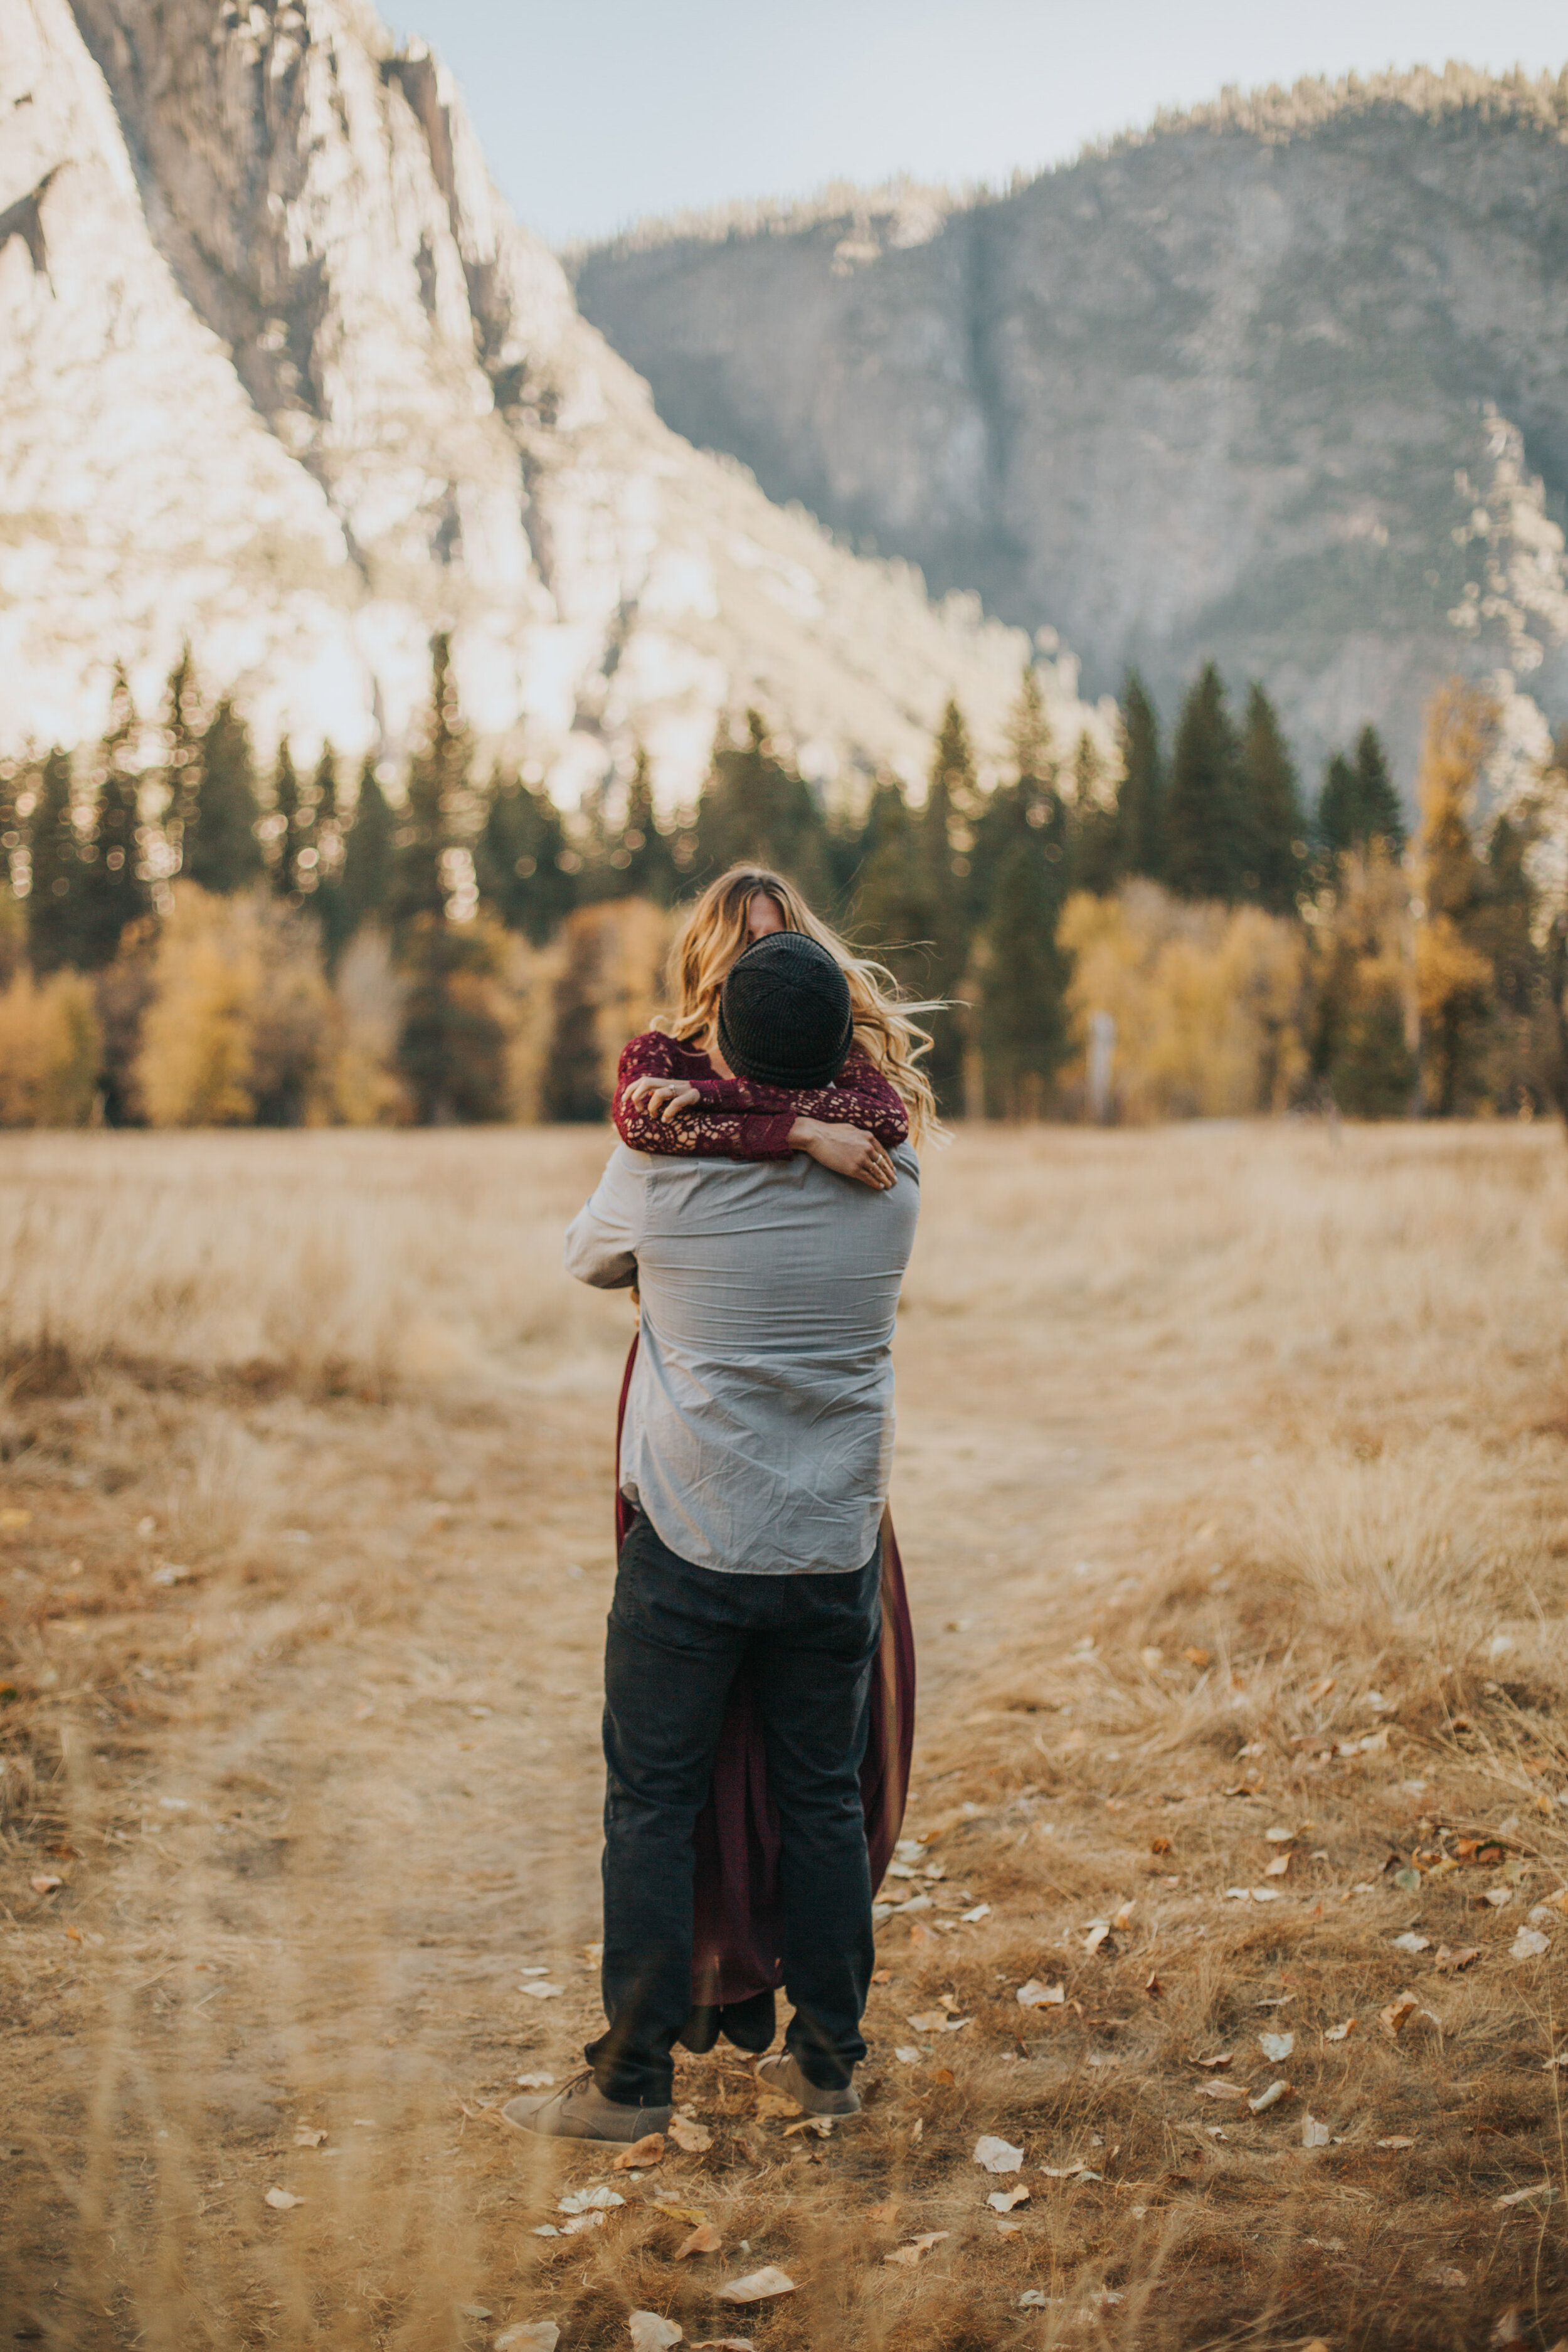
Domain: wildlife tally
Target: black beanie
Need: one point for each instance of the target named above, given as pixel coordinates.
(784, 1016)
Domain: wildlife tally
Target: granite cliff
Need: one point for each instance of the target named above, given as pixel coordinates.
(1285, 382)
(280, 373)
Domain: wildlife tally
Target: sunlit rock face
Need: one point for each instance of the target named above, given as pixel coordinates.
(280, 373)
(1285, 382)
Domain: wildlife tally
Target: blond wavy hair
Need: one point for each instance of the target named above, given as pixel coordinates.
(714, 933)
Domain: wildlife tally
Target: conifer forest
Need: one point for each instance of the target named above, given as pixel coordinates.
(192, 935)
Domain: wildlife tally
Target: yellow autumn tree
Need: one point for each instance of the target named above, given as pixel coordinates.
(196, 1063)
(1207, 1001)
(51, 1050)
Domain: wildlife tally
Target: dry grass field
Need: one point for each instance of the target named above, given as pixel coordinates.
(1231, 1485)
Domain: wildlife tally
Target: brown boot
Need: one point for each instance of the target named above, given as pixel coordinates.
(782, 2074)
(582, 2112)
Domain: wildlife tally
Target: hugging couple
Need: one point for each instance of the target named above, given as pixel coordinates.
(758, 1667)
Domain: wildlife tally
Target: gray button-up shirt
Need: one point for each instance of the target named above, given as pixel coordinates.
(758, 1427)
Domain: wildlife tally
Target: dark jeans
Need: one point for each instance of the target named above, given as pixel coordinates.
(677, 1635)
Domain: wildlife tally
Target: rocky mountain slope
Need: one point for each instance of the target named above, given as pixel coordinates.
(278, 373)
(1285, 382)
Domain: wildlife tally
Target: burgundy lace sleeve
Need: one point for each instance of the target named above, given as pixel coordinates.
(740, 1120)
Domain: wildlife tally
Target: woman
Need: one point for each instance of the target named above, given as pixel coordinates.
(675, 1094)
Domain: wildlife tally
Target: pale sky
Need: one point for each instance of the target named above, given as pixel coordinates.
(594, 112)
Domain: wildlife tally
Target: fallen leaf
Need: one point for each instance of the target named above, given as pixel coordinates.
(1542, 2189)
(591, 2200)
(997, 2154)
(972, 1918)
(772, 2105)
(581, 2221)
(1153, 1988)
(1279, 1836)
(45, 1885)
(1451, 1962)
(1002, 2200)
(305, 2138)
(1276, 2046)
(757, 2285)
(652, 2333)
(1077, 2171)
(693, 2214)
(1340, 2032)
(1036, 1995)
(648, 2151)
(1266, 1894)
(1397, 2139)
(1220, 2058)
(1397, 2015)
(537, 2082)
(538, 1971)
(281, 2200)
(821, 2124)
(1219, 2090)
(1314, 2133)
(1529, 1944)
(883, 1976)
(1097, 1936)
(533, 2335)
(546, 2230)
(724, 2344)
(1498, 1896)
(691, 2138)
(1195, 1658)
(945, 2074)
(541, 1989)
(704, 2240)
(1121, 1920)
(909, 2255)
(1321, 1690)
(1034, 2298)
(1159, 1846)
(1412, 1942)
(1270, 2098)
(1008, 2229)
(929, 2020)
(1278, 1868)
(906, 2055)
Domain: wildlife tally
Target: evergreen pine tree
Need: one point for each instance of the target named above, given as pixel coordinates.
(182, 748)
(1204, 848)
(437, 783)
(894, 912)
(1339, 810)
(946, 829)
(517, 860)
(1140, 813)
(1380, 815)
(364, 887)
(321, 858)
(1094, 830)
(757, 810)
(114, 887)
(649, 869)
(1274, 850)
(289, 824)
(1022, 1020)
(221, 851)
(1454, 976)
(55, 897)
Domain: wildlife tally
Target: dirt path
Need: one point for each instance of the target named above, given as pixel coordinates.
(323, 1802)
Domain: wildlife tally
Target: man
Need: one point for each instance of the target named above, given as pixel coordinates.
(757, 1449)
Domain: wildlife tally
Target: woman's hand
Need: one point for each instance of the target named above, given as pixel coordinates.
(662, 1098)
(847, 1150)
